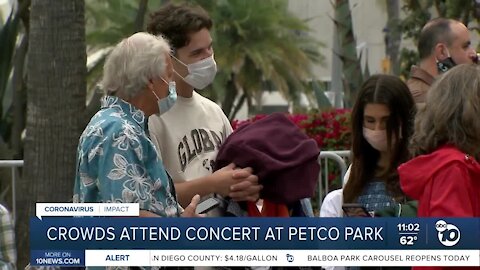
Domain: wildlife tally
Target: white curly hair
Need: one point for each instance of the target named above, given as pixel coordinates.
(132, 63)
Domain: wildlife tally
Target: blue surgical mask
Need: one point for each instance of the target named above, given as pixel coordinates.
(166, 103)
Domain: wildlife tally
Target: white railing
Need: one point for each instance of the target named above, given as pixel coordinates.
(340, 158)
(13, 165)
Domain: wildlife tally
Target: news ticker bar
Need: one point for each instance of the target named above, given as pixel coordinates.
(257, 258)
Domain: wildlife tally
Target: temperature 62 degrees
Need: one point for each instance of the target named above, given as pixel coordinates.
(408, 240)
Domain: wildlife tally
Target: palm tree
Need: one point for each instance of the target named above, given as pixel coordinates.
(259, 46)
(393, 35)
(251, 58)
(56, 101)
(108, 22)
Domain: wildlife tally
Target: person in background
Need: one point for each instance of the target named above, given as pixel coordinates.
(189, 136)
(382, 122)
(444, 175)
(116, 160)
(8, 251)
(443, 43)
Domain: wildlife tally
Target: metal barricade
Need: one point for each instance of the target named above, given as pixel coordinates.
(339, 158)
(13, 164)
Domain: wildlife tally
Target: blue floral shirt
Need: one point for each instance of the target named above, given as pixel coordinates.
(117, 162)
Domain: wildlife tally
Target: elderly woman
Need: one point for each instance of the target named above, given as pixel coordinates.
(116, 160)
(444, 175)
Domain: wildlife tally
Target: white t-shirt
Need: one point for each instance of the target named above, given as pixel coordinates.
(188, 136)
(332, 203)
(332, 207)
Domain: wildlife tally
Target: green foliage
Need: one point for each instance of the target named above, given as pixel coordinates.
(419, 12)
(8, 36)
(319, 89)
(352, 70)
(256, 44)
(107, 22)
(260, 44)
(417, 16)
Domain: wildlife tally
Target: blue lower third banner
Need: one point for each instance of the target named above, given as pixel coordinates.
(255, 241)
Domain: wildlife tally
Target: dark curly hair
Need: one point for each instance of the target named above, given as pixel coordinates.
(176, 22)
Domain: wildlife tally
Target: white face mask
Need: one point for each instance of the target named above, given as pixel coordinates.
(376, 138)
(201, 73)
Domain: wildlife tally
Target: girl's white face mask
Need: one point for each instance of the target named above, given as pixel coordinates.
(201, 73)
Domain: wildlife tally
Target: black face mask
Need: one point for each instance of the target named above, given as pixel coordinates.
(445, 64)
(476, 59)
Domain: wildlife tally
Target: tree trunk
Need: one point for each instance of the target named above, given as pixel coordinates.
(56, 99)
(258, 96)
(337, 68)
(229, 99)
(238, 106)
(140, 19)
(394, 35)
(441, 10)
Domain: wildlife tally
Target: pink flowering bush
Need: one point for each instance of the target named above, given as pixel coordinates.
(330, 129)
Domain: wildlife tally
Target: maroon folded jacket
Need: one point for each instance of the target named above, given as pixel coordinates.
(281, 155)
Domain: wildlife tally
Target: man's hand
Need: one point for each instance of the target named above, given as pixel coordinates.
(190, 209)
(246, 187)
(238, 184)
(221, 180)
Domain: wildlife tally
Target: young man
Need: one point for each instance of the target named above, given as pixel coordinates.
(443, 43)
(189, 135)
